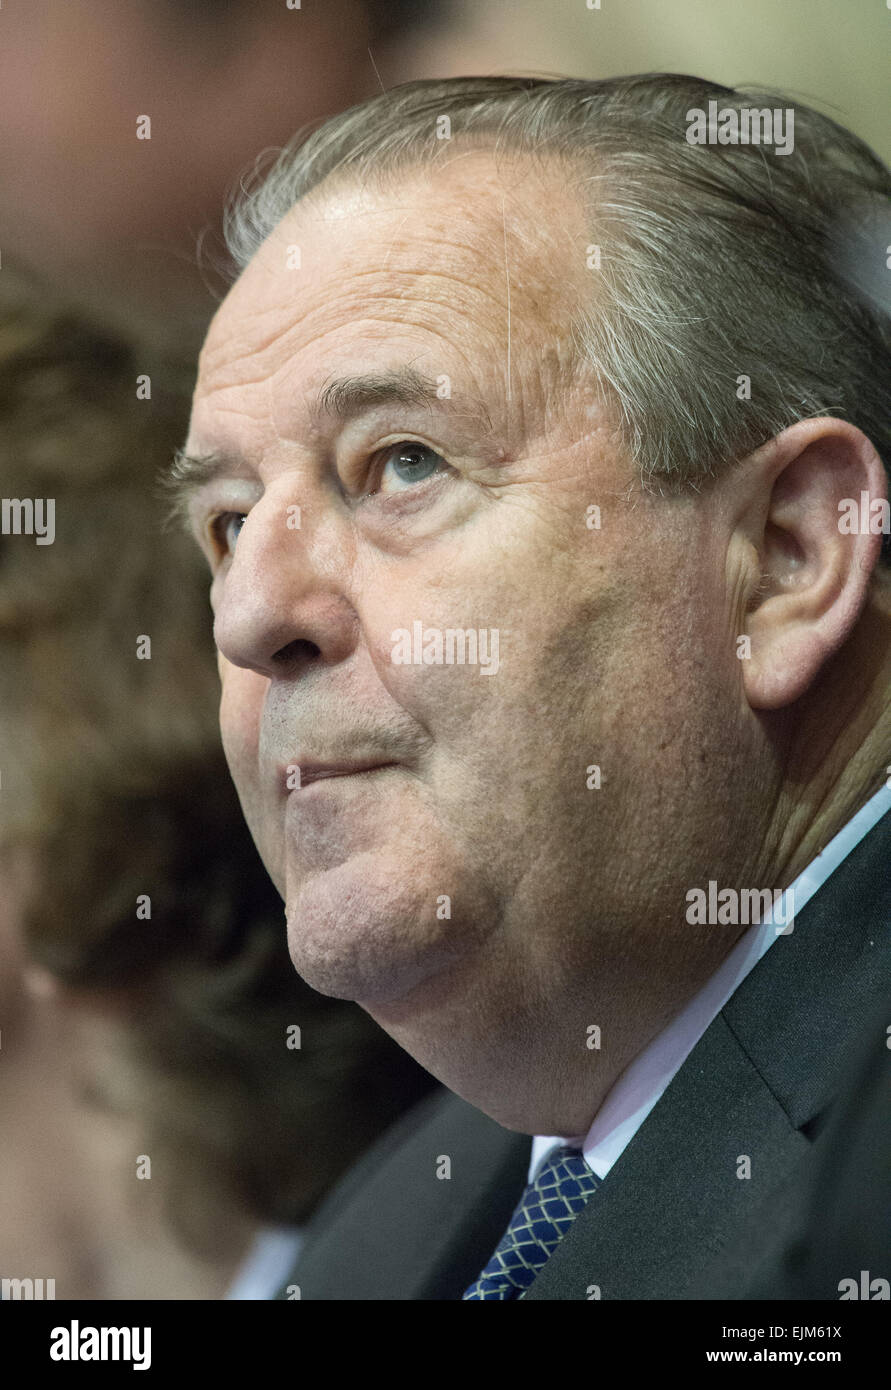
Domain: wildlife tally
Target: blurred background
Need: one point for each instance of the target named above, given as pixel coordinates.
(170, 1038)
(118, 219)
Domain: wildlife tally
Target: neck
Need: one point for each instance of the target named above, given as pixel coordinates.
(838, 742)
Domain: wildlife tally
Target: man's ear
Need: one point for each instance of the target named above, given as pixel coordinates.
(813, 514)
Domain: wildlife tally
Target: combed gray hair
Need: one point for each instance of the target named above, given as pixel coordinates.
(717, 262)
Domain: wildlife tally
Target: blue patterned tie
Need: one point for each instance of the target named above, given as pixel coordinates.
(545, 1213)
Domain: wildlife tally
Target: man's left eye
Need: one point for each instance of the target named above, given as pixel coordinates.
(407, 463)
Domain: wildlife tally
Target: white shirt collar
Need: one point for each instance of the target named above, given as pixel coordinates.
(642, 1083)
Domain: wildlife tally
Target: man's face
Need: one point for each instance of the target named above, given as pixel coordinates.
(476, 842)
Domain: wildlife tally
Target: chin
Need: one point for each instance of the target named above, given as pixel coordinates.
(367, 930)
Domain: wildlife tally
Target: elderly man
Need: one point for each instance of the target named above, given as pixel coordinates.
(555, 670)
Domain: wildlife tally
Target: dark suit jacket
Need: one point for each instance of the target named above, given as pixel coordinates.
(845, 1231)
(672, 1220)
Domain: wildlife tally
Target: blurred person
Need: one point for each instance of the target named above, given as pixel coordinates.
(147, 1007)
(110, 209)
(595, 398)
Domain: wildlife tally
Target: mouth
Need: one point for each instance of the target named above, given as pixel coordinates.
(319, 772)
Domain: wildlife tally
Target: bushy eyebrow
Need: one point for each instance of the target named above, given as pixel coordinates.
(187, 474)
(346, 397)
(341, 399)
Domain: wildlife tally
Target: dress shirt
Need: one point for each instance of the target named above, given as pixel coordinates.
(268, 1263)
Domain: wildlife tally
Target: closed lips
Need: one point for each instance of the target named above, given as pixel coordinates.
(314, 773)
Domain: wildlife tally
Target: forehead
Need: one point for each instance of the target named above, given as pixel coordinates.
(465, 262)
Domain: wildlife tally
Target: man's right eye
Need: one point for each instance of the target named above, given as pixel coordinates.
(225, 529)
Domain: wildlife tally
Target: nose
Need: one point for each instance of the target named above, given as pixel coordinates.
(281, 606)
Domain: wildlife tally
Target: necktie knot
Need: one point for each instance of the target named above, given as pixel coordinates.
(544, 1214)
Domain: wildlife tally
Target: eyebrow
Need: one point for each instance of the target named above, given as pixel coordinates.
(188, 474)
(345, 397)
(341, 399)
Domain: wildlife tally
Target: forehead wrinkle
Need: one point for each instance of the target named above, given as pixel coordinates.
(541, 308)
(477, 241)
(403, 282)
(435, 301)
(225, 358)
(425, 299)
(538, 367)
(346, 203)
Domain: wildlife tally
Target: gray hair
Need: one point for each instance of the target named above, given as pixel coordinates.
(717, 262)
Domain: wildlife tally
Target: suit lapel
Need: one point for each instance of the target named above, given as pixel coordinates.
(675, 1188)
